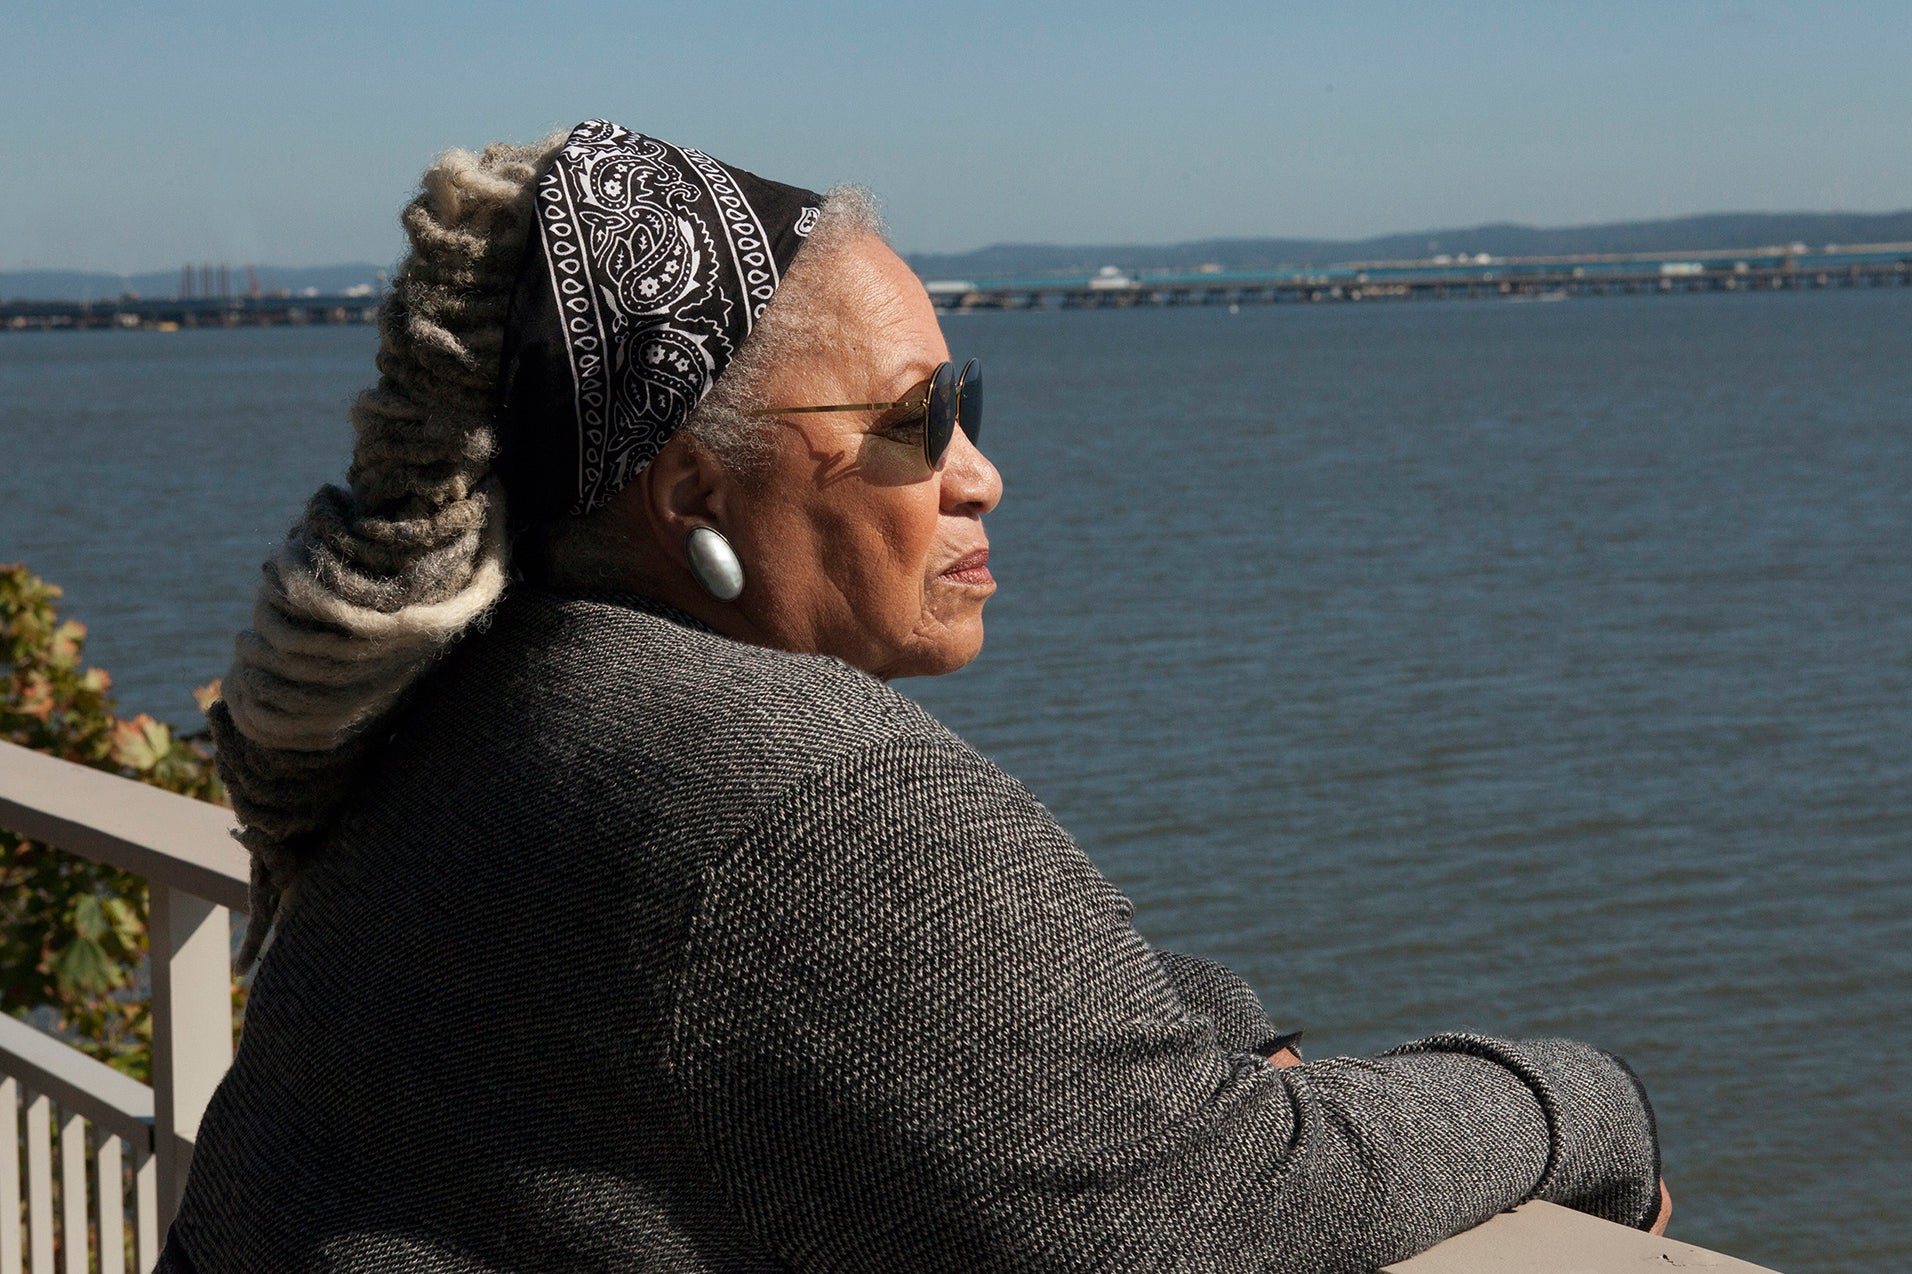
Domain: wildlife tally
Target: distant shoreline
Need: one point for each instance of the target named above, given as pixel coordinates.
(1542, 279)
(1793, 268)
(1682, 236)
(1687, 236)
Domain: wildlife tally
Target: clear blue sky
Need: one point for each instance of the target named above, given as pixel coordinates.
(140, 136)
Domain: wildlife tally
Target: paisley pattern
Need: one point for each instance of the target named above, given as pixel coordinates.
(659, 261)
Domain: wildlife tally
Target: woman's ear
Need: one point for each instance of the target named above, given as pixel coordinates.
(684, 486)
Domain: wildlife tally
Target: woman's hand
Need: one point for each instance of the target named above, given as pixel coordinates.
(1286, 1057)
(1666, 1209)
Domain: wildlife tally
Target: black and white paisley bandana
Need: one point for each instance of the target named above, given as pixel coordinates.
(647, 266)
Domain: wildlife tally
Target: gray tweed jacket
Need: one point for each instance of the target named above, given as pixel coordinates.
(647, 950)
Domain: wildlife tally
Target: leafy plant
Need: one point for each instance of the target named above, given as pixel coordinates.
(73, 932)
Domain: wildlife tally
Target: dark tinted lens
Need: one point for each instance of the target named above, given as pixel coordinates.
(969, 399)
(940, 420)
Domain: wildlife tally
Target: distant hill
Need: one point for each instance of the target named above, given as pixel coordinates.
(83, 285)
(1682, 234)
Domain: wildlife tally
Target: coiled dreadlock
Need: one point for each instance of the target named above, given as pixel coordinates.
(381, 574)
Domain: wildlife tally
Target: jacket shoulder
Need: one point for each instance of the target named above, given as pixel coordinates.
(588, 682)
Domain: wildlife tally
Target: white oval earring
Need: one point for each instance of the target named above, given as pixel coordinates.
(714, 563)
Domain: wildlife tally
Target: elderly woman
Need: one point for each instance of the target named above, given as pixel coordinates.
(624, 918)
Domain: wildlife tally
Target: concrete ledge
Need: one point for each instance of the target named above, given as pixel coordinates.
(1540, 1238)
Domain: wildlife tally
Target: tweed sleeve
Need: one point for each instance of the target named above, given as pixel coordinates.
(1215, 992)
(915, 1029)
(1588, 1167)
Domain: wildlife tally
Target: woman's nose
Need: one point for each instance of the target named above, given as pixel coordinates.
(971, 484)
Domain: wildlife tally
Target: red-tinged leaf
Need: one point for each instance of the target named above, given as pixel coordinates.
(36, 696)
(207, 695)
(63, 648)
(141, 743)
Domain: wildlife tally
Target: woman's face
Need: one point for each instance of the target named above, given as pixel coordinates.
(852, 546)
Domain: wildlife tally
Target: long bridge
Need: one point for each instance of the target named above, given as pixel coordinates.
(172, 313)
(1531, 278)
(1477, 278)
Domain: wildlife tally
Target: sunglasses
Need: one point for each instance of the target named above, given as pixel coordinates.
(947, 400)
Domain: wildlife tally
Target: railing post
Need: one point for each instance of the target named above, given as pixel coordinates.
(191, 945)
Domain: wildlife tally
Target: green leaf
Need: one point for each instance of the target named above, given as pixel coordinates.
(88, 917)
(129, 925)
(81, 968)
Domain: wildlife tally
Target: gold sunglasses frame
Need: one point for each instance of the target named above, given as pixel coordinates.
(921, 401)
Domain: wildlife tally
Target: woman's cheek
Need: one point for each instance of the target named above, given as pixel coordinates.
(907, 551)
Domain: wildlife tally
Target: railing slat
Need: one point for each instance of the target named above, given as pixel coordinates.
(40, 1185)
(9, 1175)
(167, 838)
(146, 1209)
(118, 1103)
(112, 1192)
(73, 1218)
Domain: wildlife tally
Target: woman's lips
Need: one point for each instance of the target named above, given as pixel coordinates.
(972, 568)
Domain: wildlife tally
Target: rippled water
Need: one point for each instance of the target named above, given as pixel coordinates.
(1538, 668)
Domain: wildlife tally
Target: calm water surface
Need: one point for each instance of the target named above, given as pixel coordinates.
(1535, 668)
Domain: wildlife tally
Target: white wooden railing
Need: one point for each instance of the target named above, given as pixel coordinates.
(142, 1138)
(134, 1163)
(49, 1075)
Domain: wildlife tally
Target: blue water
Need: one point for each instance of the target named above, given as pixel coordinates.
(1536, 668)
